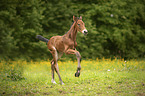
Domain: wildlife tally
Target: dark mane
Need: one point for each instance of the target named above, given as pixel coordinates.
(70, 27)
(72, 24)
(78, 18)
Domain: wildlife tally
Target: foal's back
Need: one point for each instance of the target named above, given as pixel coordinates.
(57, 43)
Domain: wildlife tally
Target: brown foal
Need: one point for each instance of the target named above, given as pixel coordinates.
(65, 44)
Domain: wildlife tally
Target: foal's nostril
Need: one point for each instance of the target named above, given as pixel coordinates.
(85, 32)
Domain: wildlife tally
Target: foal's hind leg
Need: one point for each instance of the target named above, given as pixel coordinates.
(52, 71)
(55, 65)
(57, 71)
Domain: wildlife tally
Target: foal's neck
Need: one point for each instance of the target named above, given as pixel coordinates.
(72, 33)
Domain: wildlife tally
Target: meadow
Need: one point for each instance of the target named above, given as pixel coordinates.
(100, 77)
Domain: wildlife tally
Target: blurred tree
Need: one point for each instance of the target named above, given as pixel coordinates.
(31, 16)
(58, 16)
(116, 28)
(7, 17)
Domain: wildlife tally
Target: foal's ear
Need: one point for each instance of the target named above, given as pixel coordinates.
(80, 18)
(74, 18)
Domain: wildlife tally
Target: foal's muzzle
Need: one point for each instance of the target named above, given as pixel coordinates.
(85, 31)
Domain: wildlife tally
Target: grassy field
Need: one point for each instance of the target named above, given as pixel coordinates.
(103, 77)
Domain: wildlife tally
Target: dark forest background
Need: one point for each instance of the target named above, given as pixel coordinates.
(115, 27)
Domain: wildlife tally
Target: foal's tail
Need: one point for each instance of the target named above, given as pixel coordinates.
(42, 38)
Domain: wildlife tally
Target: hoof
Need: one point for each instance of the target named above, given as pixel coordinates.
(62, 83)
(77, 74)
(53, 82)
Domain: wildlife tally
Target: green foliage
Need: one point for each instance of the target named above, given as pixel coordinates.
(15, 74)
(7, 16)
(116, 28)
(11, 71)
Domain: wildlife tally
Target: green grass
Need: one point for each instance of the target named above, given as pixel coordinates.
(98, 77)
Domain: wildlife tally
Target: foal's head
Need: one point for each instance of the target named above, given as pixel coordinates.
(80, 25)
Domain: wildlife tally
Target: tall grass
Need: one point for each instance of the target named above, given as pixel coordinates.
(98, 77)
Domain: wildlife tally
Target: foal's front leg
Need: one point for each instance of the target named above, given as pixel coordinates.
(71, 51)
